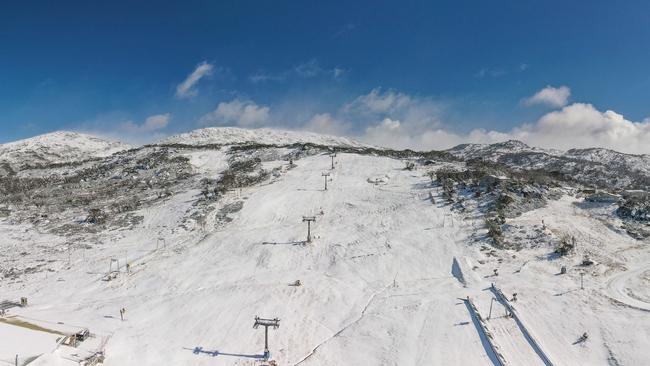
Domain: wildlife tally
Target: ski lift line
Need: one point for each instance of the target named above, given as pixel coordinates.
(529, 337)
(496, 357)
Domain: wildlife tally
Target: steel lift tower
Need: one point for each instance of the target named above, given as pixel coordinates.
(266, 323)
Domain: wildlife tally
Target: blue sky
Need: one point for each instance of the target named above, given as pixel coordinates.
(440, 70)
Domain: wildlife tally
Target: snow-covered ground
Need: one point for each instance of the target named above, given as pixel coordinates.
(56, 147)
(377, 283)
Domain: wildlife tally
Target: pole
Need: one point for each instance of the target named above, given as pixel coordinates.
(308, 231)
(582, 287)
(266, 340)
(333, 160)
(490, 315)
(326, 175)
(309, 219)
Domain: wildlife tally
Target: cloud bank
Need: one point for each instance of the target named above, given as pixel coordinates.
(577, 125)
(128, 131)
(239, 113)
(398, 120)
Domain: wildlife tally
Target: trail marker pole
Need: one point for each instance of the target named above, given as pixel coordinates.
(582, 274)
(309, 220)
(266, 323)
(326, 175)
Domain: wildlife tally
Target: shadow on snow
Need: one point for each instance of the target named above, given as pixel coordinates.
(199, 350)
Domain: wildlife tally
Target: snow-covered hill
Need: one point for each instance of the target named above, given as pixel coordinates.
(196, 237)
(598, 167)
(264, 136)
(56, 147)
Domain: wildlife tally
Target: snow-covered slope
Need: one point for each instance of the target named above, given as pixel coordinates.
(611, 157)
(596, 166)
(399, 271)
(265, 136)
(56, 147)
(494, 151)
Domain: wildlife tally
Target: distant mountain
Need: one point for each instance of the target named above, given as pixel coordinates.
(54, 148)
(266, 136)
(595, 166)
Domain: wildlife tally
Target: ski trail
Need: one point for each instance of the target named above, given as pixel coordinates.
(363, 313)
(617, 290)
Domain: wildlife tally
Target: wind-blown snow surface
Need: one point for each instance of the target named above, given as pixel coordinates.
(57, 147)
(265, 136)
(377, 284)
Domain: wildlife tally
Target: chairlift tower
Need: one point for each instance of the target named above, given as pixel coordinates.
(110, 265)
(333, 156)
(266, 323)
(309, 220)
(326, 175)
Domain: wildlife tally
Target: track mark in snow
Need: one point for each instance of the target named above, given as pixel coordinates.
(619, 293)
(611, 358)
(357, 320)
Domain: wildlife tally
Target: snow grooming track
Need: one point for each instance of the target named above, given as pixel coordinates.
(358, 319)
(487, 339)
(616, 289)
(529, 337)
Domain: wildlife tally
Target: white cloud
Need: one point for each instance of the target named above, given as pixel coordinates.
(378, 102)
(186, 88)
(306, 70)
(393, 134)
(128, 131)
(349, 27)
(156, 122)
(492, 72)
(150, 124)
(394, 119)
(550, 96)
(414, 113)
(261, 76)
(239, 113)
(338, 72)
(326, 124)
(578, 125)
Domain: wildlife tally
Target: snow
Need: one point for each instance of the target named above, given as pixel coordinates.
(266, 136)
(24, 342)
(57, 147)
(380, 280)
